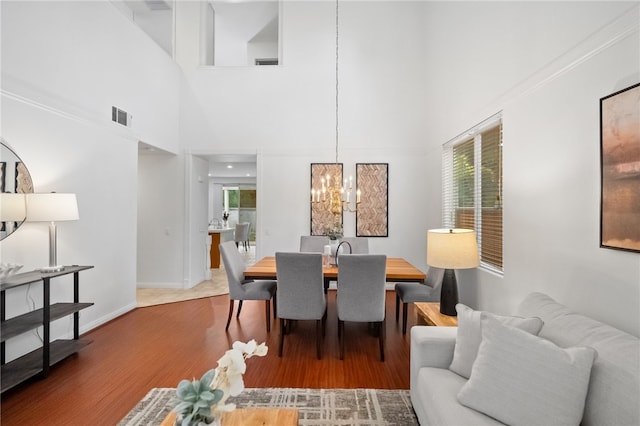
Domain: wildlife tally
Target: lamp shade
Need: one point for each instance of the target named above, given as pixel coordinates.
(12, 207)
(452, 248)
(52, 207)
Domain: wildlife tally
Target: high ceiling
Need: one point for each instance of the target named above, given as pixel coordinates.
(155, 18)
(248, 20)
(223, 168)
(232, 166)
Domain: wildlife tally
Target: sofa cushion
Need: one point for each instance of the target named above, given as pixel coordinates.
(470, 335)
(435, 402)
(614, 388)
(521, 379)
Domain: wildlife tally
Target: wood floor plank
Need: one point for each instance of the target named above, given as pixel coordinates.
(160, 345)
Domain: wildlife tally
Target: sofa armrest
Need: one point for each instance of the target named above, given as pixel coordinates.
(431, 347)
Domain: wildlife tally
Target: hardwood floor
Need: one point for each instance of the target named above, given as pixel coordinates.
(158, 346)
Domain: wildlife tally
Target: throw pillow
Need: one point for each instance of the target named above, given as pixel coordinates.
(470, 335)
(522, 379)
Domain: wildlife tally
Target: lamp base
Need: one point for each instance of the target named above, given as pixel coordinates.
(47, 269)
(449, 293)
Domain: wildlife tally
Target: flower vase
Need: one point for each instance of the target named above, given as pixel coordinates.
(334, 247)
(214, 422)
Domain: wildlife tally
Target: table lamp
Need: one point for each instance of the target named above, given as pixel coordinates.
(451, 249)
(52, 207)
(12, 210)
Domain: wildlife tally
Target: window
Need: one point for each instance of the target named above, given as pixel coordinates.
(472, 187)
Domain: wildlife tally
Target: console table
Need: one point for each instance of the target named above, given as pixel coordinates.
(38, 361)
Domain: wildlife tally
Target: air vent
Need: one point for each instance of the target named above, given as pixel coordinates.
(266, 61)
(157, 5)
(121, 117)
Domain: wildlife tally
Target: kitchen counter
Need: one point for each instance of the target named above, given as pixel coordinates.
(218, 236)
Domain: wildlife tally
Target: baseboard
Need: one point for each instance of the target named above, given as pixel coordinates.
(105, 319)
(178, 285)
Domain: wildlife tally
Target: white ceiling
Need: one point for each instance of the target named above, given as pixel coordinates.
(242, 166)
(242, 170)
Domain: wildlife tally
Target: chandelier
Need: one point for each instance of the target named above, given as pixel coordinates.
(336, 197)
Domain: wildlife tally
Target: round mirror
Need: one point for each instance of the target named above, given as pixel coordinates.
(15, 181)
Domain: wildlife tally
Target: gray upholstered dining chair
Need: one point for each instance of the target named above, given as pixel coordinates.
(300, 293)
(242, 234)
(313, 243)
(361, 293)
(359, 245)
(241, 289)
(418, 292)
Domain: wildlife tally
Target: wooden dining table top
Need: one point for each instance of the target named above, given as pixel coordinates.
(398, 269)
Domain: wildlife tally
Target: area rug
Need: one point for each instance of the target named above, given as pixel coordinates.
(316, 407)
(216, 286)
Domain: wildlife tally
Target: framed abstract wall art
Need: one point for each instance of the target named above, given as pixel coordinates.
(324, 215)
(372, 216)
(620, 170)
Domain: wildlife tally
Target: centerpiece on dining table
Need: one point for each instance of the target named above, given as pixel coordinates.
(334, 231)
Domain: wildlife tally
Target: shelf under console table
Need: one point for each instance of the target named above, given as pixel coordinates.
(38, 361)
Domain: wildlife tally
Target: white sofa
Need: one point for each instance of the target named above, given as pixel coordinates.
(612, 385)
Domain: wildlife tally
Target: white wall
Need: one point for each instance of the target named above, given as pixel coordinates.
(286, 114)
(404, 90)
(261, 51)
(64, 64)
(546, 65)
(197, 200)
(161, 221)
(407, 89)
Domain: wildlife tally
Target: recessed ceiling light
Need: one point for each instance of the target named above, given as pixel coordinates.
(229, 166)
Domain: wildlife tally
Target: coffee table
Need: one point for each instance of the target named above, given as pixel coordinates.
(261, 416)
(251, 417)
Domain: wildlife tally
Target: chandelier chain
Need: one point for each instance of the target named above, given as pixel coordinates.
(337, 36)
(334, 195)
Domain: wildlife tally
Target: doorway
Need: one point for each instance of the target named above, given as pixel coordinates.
(233, 190)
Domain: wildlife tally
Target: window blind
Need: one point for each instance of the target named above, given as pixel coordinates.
(472, 187)
(491, 186)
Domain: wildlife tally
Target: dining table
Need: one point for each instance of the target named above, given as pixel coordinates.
(398, 270)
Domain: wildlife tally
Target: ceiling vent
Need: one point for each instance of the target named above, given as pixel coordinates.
(266, 61)
(157, 5)
(120, 116)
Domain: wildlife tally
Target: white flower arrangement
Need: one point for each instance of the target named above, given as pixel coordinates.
(334, 231)
(204, 401)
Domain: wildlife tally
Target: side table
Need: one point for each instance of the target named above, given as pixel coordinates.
(429, 314)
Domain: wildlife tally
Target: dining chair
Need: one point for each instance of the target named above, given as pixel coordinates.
(242, 235)
(241, 289)
(359, 245)
(300, 293)
(313, 243)
(418, 292)
(361, 293)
